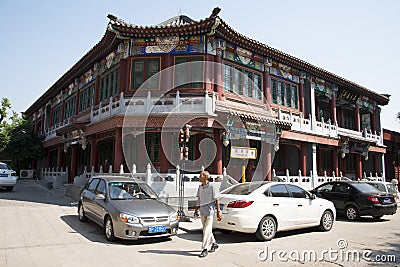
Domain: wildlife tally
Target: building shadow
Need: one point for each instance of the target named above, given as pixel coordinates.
(32, 191)
(94, 233)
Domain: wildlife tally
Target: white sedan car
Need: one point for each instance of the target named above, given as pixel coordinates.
(265, 208)
(8, 177)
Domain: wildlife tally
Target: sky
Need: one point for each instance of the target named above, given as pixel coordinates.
(355, 39)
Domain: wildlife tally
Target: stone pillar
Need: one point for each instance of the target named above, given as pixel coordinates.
(335, 163)
(313, 107)
(357, 120)
(314, 159)
(218, 156)
(219, 82)
(93, 153)
(303, 158)
(358, 162)
(118, 151)
(74, 162)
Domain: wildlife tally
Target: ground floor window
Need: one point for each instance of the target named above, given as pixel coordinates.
(106, 153)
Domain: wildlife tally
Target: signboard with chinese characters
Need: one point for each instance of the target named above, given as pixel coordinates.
(243, 152)
(168, 44)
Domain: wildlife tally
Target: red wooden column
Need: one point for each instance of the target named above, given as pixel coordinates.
(60, 152)
(373, 122)
(335, 163)
(93, 154)
(358, 163)
(218, 156)
(376, 158)
(118, 151)
(219, 82)
(301, 96)
(123, 75)
(267, 88)
(333, 108)
(303, 158)
(97, 91)
(165, 148)
(267, 158)
(74, 162)
(357, 119)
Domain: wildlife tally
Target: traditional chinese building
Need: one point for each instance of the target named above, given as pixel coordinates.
(139, 85)
(391, 139)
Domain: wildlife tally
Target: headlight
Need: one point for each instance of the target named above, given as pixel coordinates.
(128, 218)
(173, 216)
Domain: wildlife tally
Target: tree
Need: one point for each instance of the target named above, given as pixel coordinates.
(5, 105)
(17, 140)
(24, 146)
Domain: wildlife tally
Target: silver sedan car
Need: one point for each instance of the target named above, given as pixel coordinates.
(126, 208)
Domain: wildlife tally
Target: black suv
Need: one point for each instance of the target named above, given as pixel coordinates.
(356, 199)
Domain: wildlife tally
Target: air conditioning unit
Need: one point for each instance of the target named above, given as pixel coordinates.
(26, 174)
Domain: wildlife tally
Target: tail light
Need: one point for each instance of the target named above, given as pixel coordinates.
(239, 204)
(373, 199)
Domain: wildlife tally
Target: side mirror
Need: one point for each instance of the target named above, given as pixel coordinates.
(100, 197)
(312, 196)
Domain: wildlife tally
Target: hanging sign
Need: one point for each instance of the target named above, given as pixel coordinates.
(243, 152)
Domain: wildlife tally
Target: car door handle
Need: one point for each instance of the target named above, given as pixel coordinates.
(275, 205)
(300, 205)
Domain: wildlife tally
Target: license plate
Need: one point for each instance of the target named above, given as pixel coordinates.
(387, 200)
(157, 229)
(3, 175)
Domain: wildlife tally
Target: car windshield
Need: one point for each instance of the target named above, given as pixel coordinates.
(4, 166)
(243, 189)
(130, 190)
(365, 188)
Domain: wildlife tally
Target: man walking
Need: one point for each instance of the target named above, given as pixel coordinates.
(207, 203)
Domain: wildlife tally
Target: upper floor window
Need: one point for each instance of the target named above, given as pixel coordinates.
(86, 98)
(56, 116)
(109, 84)
(142, 70)
(348, 119)
(153, 146)
(69, 109)
(242, 81)
(284, 93)
(188, 75)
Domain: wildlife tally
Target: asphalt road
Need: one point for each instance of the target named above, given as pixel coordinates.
(40, 227)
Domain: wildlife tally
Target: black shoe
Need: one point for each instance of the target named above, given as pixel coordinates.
(213, 247)
(203, 253)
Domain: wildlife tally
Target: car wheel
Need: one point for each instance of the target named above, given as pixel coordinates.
(326, 222)
(81, 213)
(109, 229)
(9, 188)
(225, 231)
(266, 229)
(351, 213)
(377, 217)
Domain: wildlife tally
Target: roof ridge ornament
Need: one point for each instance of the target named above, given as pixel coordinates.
(215, 12)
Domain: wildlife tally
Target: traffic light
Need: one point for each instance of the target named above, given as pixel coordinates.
(182, 138)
